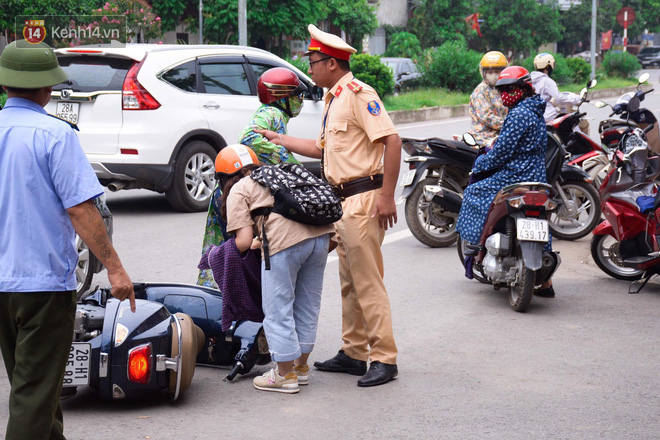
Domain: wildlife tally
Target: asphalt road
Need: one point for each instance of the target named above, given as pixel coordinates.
(580, 366)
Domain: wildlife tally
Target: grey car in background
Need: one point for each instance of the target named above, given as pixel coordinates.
(405, 73)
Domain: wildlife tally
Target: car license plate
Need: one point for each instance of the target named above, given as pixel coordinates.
(68, 111)
(77, 367)
(407, 177)
(532, 230)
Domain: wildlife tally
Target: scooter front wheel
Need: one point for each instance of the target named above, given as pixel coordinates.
(605, 252)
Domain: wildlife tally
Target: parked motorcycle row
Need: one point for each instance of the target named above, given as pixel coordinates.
(614, 177)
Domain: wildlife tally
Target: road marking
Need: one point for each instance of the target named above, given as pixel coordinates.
(389, 238)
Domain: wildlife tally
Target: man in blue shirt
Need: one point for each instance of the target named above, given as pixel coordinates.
(46, 192)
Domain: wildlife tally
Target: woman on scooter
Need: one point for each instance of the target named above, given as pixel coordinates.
(518, 155)
(291, 289)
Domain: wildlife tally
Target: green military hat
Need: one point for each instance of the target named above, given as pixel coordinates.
(30, 66)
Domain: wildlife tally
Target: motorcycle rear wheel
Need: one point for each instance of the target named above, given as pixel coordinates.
(605, 252)
(574, 226)
(520, 295)
(429, 222)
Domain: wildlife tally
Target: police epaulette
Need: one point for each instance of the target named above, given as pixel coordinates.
(355, 87)
(74, 126)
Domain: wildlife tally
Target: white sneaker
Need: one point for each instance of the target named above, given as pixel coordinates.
(272, 381)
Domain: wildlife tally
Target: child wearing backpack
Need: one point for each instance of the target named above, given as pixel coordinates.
(291, 289)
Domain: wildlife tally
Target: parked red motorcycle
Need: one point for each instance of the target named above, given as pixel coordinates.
(625, 245)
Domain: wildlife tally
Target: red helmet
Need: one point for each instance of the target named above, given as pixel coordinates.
(277, 83)
(514, 76)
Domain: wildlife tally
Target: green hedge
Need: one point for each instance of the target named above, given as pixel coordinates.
(371, 70)
(580, 68)
(452, 66)
(621, 64)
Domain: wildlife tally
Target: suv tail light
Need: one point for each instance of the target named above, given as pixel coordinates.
(139, 364)
(134, 96)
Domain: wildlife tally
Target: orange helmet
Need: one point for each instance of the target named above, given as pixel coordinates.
(234, 157)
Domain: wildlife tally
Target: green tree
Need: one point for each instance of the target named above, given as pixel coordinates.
(520, 26)
(355, 17)
(404, 44)
(170, 12)
(437, 21)
(577, 24)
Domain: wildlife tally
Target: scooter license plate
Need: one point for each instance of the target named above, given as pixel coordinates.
(532, 230)
(77, 367)
(407, 177)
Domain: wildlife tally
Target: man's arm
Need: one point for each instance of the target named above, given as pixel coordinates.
(89, 225)
(385, 206)
(306, 147)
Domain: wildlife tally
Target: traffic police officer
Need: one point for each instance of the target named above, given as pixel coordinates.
(361, 155)
(46, 191)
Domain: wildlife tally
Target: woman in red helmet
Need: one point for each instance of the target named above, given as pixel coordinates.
(281, 94)
(518, 155)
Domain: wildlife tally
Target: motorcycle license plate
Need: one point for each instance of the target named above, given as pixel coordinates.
(77, 367)
(68, 111)
(407, 177)
(532, 230)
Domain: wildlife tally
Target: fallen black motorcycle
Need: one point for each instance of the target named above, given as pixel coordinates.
(154, 350)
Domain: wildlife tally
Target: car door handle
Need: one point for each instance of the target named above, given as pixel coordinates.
(211, 105)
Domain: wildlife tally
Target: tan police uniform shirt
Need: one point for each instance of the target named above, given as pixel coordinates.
(247, 195)
(356, 118)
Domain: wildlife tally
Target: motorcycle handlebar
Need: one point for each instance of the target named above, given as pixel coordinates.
(581, 115)
(648, 128)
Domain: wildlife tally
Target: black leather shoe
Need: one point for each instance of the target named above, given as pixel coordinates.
(548, 292)
(378, 374)
(343, 364)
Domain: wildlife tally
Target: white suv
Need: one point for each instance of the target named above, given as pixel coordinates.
(154, 116)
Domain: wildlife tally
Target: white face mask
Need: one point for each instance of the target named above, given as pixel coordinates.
(491, 78)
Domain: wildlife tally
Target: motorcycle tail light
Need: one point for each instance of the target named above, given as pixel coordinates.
(528, 199)
(139, 364)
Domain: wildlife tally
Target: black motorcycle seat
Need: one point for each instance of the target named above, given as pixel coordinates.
(457, 145)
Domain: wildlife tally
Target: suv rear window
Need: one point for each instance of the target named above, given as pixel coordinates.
(649, 50)
(183, 77)
(225, 79)
(92, 73)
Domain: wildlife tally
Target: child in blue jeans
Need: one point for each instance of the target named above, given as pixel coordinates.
(291, 289)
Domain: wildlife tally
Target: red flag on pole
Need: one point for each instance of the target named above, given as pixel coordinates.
(606, 40)
(473, 21)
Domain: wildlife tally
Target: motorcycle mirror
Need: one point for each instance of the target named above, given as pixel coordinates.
(644, 77)
(583, 93)
(592, 83)
(469, 139)
(600, 104)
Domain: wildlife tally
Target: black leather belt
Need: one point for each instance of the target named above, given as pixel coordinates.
(358, 186)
